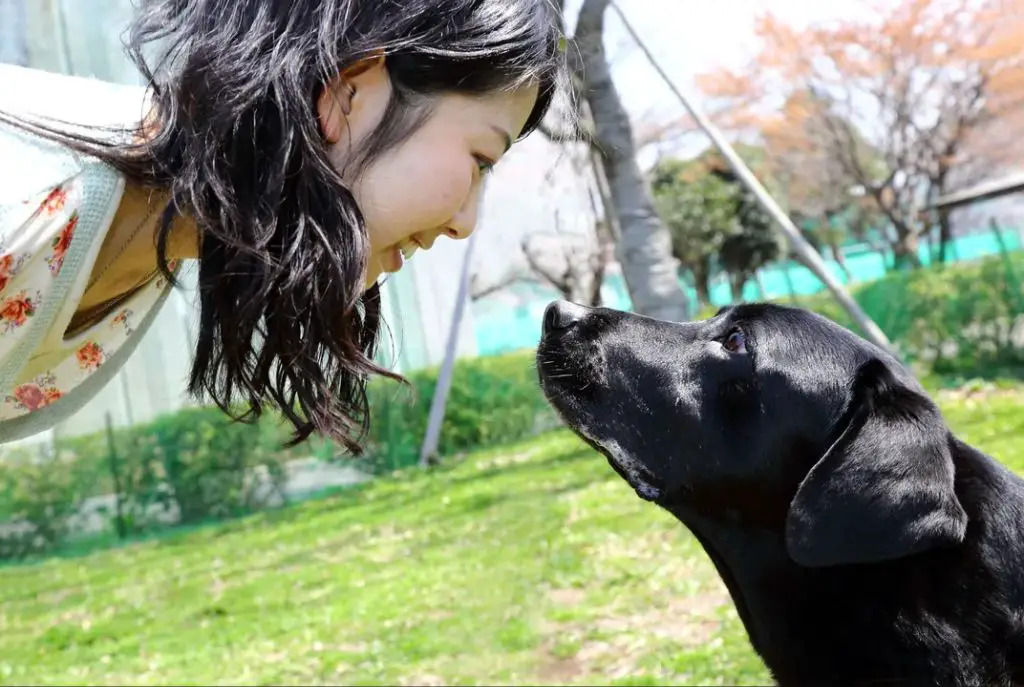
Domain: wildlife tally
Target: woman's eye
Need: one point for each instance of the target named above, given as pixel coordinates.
(736, 342)
(484, 165)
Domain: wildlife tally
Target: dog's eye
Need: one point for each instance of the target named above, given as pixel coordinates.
(735, 342)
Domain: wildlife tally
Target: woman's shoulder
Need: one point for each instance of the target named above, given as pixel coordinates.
(71, 100)
(48, 241)
(29, 164)
(33, 172)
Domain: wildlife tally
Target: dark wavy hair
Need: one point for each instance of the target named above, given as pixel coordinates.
(285, 319)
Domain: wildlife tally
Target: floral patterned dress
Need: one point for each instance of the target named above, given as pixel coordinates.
(34, 240)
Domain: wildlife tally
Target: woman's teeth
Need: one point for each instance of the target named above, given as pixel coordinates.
(408, 249)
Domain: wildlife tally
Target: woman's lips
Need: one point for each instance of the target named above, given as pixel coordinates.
(396, 256)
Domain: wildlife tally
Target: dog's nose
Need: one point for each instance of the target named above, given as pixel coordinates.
(561, 315)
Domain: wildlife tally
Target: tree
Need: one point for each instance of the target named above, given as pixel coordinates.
(751, 244)
(714, 221)
(818, 192)
(644, 245)
(664, 136)
(572, 263)
(697, 213)
(917, 100)
(813, 181)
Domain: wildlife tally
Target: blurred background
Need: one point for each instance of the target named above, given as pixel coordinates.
(148, 540)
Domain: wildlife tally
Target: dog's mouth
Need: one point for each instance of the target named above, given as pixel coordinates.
(637, 475)
(644, 483)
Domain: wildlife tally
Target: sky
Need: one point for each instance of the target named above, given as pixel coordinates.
(687, 40)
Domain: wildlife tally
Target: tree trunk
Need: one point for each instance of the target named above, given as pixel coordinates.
(645, 247)
(432, 436)
(761, 291)
(594, 299)
(945, 234)
(736, 284)
(905, 249)
(701, 281)
(605, 244)
(938, 188)
(837, 255)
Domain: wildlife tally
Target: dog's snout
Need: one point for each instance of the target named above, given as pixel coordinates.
(562, 315)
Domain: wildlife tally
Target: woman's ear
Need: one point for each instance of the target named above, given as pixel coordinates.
(333, 107)
(342, 96)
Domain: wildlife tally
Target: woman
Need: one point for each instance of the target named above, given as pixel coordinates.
(296, 150)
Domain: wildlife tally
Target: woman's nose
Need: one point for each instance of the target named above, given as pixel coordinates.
(464, 222)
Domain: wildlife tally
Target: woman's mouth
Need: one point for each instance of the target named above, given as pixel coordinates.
(397, 255)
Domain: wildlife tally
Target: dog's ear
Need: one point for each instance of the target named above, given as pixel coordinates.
(884, 490)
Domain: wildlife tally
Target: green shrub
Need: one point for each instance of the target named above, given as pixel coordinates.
(948, 318)
(39, 493)
(491, 400)
(208, 463)
(91, 456)
(196, 464)
(186, 467)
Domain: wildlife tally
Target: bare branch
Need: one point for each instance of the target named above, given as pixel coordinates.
(478, 292)
(561, 282)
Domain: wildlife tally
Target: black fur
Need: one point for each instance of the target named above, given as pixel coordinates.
(861, 542)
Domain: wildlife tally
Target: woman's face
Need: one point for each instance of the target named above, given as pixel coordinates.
(429, 185)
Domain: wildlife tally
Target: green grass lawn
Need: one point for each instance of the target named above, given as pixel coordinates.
(529, 564)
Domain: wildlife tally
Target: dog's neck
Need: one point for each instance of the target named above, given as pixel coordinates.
(761, 614)
(789, 623)
(802, 621)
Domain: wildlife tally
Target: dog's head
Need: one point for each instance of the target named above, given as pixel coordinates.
(769, 416)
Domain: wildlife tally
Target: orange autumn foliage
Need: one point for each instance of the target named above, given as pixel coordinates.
(918, 97)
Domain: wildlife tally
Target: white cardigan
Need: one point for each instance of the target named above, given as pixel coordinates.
(29, 166)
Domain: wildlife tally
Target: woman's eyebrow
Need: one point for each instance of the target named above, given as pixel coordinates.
(505, 136)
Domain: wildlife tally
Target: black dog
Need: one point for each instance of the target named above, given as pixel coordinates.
(861, 542)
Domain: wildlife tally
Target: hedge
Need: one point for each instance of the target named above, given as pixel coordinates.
(963, 318)
(196, 465)
(491, 400)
